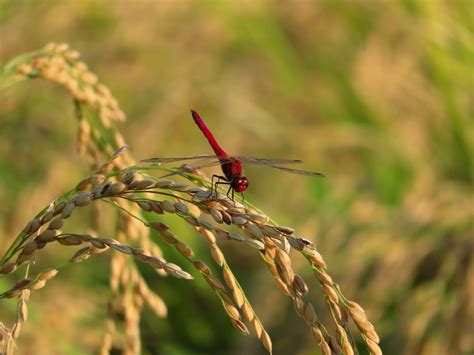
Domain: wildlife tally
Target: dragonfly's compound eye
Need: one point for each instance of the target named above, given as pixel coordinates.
(240, 183)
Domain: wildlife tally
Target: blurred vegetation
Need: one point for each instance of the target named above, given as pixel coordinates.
(376, 95)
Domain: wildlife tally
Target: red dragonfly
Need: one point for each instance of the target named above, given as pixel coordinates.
(231, 165)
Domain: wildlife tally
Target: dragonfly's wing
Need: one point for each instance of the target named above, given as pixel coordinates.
(172, 160)
(296, 171)
(267, 161)
(207, 163)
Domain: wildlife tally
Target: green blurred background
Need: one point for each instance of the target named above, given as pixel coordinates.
(376, 95)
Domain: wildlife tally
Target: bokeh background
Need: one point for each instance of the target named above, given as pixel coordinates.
(376, 95)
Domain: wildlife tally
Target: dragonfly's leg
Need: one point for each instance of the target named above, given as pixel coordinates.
(243, 197)
(228, 191)
(218, 182)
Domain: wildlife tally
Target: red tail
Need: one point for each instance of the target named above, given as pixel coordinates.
(208, 134)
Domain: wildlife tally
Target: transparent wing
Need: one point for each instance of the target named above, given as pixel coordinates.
(297, 171)
(178, 159)
(266, 161)
(208, 160)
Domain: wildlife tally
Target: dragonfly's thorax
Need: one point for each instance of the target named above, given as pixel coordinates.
(231, 168)
(239, 183)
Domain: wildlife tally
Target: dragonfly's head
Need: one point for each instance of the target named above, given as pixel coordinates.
(239, 183)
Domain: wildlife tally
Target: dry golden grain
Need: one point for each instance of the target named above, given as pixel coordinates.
(48, 235)
(333, 344)
(255, 244)
(258, 218)
(38, 285)
(248, 312)
(156, 304)
(155, 207)
(283, 287)
(284, 269)
(373, 347)
(156, 261)
(369, 331)
(140, 254)
(22, 258)
(59, 207)
(184, 249)
(270, 231)
(121, 248)
(71, 54)
(238, 220)
(130, 176)
(216, 215)
(309, 315)
(266, 341)
(205, 224)
(34, 225)
(236, 236)
(86, 183)
(222, 233)
(317, 334)
(181, 208)
(257, 327)
(324, 277)
(335, 309)
(80, 255)
(191, 220)
(164, 184)
(232, 311)
(56, 223)
(202, 267)
(240, 326)
(317, 259)
(356, 311)
(23, 309)
(30, 247)
(24, 69)
(82, 199)
(12, 293)
(217, 255)
(97, 243)
(47, 217)
(67, 210)
(167, 206)
(179, 186)
(226, 217)
(48, 274)
(330, 293)
(98, 179)
(117, 188)
(16, 330)
(61, 47)
(254, 231)
(215, 283)
(285, 230)
(70, 240)
(296, 243)
(22, 283)
(89, 78)
(229, 278)
(298, 303)
(210, 237)
(300, 285)
(238, 296)
(8, 268)
(144, 205)
(168, 237)
(140, 184)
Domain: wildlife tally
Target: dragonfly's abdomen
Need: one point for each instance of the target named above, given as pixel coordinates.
(208, 134)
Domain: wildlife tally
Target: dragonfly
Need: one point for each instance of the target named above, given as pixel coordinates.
(231, 165)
